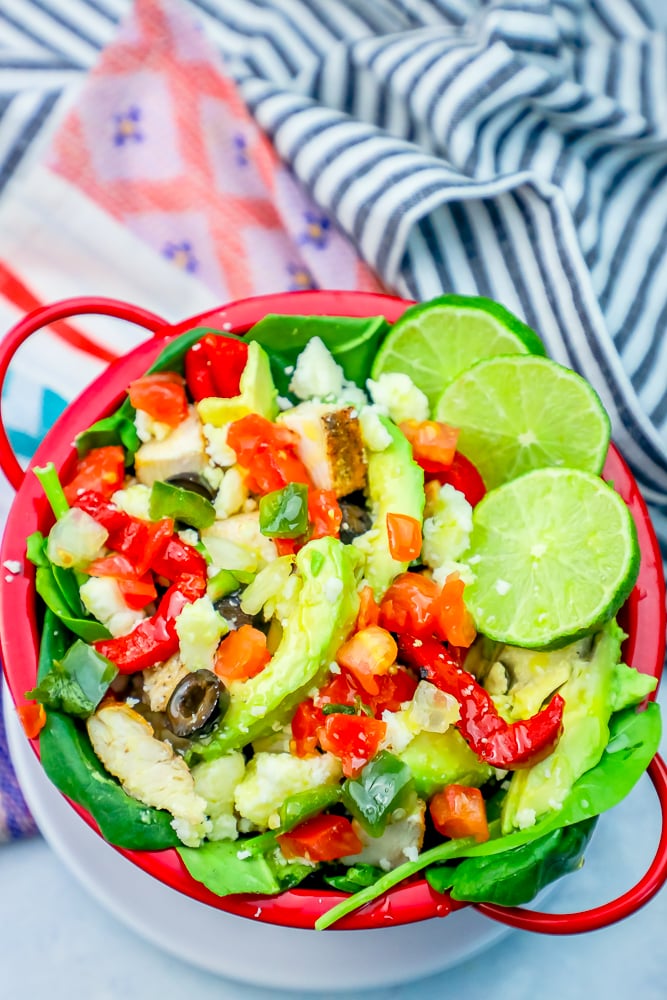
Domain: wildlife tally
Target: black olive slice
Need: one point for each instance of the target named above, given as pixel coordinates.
(194, 482)
(229, 607)
(356, 520)
(196, 703)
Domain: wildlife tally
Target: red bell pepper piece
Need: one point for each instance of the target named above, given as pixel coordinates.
(154, 639)
(501, 744)
(214, 365)
(177, 558)
(462, 475)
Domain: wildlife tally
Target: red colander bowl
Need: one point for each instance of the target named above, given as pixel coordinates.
(643, 616)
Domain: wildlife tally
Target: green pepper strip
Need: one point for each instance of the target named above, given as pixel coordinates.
(301, 806)
(181, 504)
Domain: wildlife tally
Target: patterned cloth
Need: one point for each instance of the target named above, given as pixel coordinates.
(509, 148)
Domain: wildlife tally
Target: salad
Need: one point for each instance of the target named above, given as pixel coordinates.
(308, 632)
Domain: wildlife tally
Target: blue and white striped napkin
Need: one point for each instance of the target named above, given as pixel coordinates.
(509, 148)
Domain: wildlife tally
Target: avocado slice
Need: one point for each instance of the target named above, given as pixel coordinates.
(257, 393)
(395, 485)
(320, 620)
(591, 692)
(439, 759)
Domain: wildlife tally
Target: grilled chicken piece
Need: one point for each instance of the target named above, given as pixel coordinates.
(330, 445)
(147, 768)
(184, 450)
(160, 681)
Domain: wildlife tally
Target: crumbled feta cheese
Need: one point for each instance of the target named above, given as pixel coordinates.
(102, 597)
(271, 777)
(399, 396)
(375, 435)
(316, 373)
(199, 628)
(216, 445)
(149, 429)
(232, 494)
(447, 526)
(134, 500)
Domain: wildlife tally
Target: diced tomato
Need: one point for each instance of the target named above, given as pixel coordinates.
(286, 546)
(454, 622)
(404, 535)
(138, 591)
(342, 689)
(354, 739)
(267, 452)
(241, 654)
(463, 476)
(162, 396)
(394, 689)
(369, 609)
(101, 470)
(460, 811)
(32, 717)
(407, 605)
(433, 443)
(306, 723)
(367, 654)
(214, 365)
(320, 838)
(324, 513)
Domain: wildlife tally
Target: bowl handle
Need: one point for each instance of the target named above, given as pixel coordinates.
(608, 913)
(44, 316)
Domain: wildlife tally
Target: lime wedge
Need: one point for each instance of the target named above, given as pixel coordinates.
(555, 555)
(522, 412)
(434, 341)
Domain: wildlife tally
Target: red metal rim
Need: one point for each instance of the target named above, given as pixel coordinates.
(643, 618)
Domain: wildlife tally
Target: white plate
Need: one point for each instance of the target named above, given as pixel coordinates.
(290, 959)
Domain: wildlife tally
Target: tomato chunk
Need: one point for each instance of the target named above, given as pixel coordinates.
(454, 622)
(354, 739)
(407, 605)
(321, 838)
(433, 443)
(404, 534)
(324, 513)
(267, 451)
(306, 723)
(102, 470)
(369, 609)
(367, 654)
(162, 396)
(241, 654)
(460, 811)
(462, 475)
(32, 717)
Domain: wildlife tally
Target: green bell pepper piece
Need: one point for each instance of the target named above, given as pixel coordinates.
(284, 513)
(167, 500)
(297, 808)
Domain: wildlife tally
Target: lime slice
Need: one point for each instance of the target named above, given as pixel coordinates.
(435, 341)
(522, 412)
(555, 555)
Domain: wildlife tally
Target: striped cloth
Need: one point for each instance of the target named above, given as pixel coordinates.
(508, 148)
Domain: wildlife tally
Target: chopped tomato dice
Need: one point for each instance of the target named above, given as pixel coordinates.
(454, 622)
(241, 654)
(137, 590)
(32, 717)
(354, 739)
(162, 396)
(306, 723)
(404, 535)
(321, 838)
(324, 513)
(268, 454)
(342, 689)
(367, 654)
(407, 605)
(460, 811)
(463, 476)
(394, 689)
(433, 443)
(102, 470)
(369, 609)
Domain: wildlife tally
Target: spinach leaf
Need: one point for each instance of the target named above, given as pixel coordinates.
(352, 341)
(118, 428)
(227, 867)
(354, 878)
(516, 876)
(48, 589)
(634, 741)
(62, 692)
(71, 765)
(76, 683)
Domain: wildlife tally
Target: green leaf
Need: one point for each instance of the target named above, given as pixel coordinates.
(516, 876)
(71, 764)
(227, 867)
(118, 428)
(354, 878)
(352, 341)
(380, 788)
(48, 589)
(61, 692)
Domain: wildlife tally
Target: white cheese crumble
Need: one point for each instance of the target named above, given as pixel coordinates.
(399, 397)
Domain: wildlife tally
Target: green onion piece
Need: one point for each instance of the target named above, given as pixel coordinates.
(167, 500)
(53, 490)
(379, 789)
(301, 806)
(284, 513)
